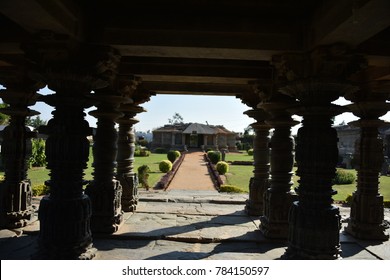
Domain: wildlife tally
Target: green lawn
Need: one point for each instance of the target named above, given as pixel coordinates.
(238, 175)
(241, 156)
(38, 175)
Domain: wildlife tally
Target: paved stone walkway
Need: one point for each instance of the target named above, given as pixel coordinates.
(192, 174)
(179, 225)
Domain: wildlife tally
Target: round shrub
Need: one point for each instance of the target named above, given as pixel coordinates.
(173, 155)
(165, 166)
(214, 156)
(250, 152)
(222, 167)
(343, 177)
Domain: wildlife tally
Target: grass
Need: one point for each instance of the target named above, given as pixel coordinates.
(38, 175)
(241, 156)
(238, 175)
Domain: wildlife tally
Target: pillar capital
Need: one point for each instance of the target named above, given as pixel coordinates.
(64, 64)
(319, 76)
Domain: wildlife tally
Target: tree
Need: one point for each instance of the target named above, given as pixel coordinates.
(4, 119)
(176, 119)
(35, 122)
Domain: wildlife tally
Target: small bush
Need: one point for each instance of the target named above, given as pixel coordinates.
(386, 203)
(173, 155)
(230, 189)
(38, 156)
(143, 176)
(222, 167)
(165, 166)
(40, 190)
(348, 200)
(160, 151)
(214, 156)
(141, 152)
(250, 152)
(343, 177)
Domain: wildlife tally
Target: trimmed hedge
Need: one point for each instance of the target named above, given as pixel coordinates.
(250, 152)
(343, 177)
(40, 190)
(222, 167)
(173, 155)
(214, 156)
(165, 166)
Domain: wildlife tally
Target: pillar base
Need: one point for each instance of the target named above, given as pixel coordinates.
(65, 230)
(368, 223)
(254, 205)
(130, 192)
(18, 210)
(274, 223)
(107, 215)
(313, 234)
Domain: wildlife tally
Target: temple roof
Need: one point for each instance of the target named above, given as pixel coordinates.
(198, 128)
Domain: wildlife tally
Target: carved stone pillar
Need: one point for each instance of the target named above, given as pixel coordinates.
(15, 191)
(258, 184)
(126, 146)
(316, 79)
(70, 70)
(105, 190)
(367, 212)
(279, 196)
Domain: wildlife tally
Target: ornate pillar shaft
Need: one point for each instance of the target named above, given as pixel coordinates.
(105, 190)
(316, 79)
(65, 214)
(15, 191)
(126, 147)
(125, 158)
(259, 182)
(279, 196)
(367, 211)
(70, 70)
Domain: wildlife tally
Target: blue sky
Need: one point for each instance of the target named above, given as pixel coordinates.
(216, 110)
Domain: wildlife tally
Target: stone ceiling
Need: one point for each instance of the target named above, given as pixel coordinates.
(202, 47)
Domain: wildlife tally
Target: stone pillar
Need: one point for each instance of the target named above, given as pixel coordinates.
(258, 184)
(15, 191)
(279, 196)
(316, 79)
(367, 212)
(173, 140)
(126, 146)
(105, 190)
(70, 70)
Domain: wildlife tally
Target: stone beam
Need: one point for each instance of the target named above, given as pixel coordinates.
(351, 22)
(194, 52)
(60, 16)
(196, 88)
(195, 67)
(290, 40)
